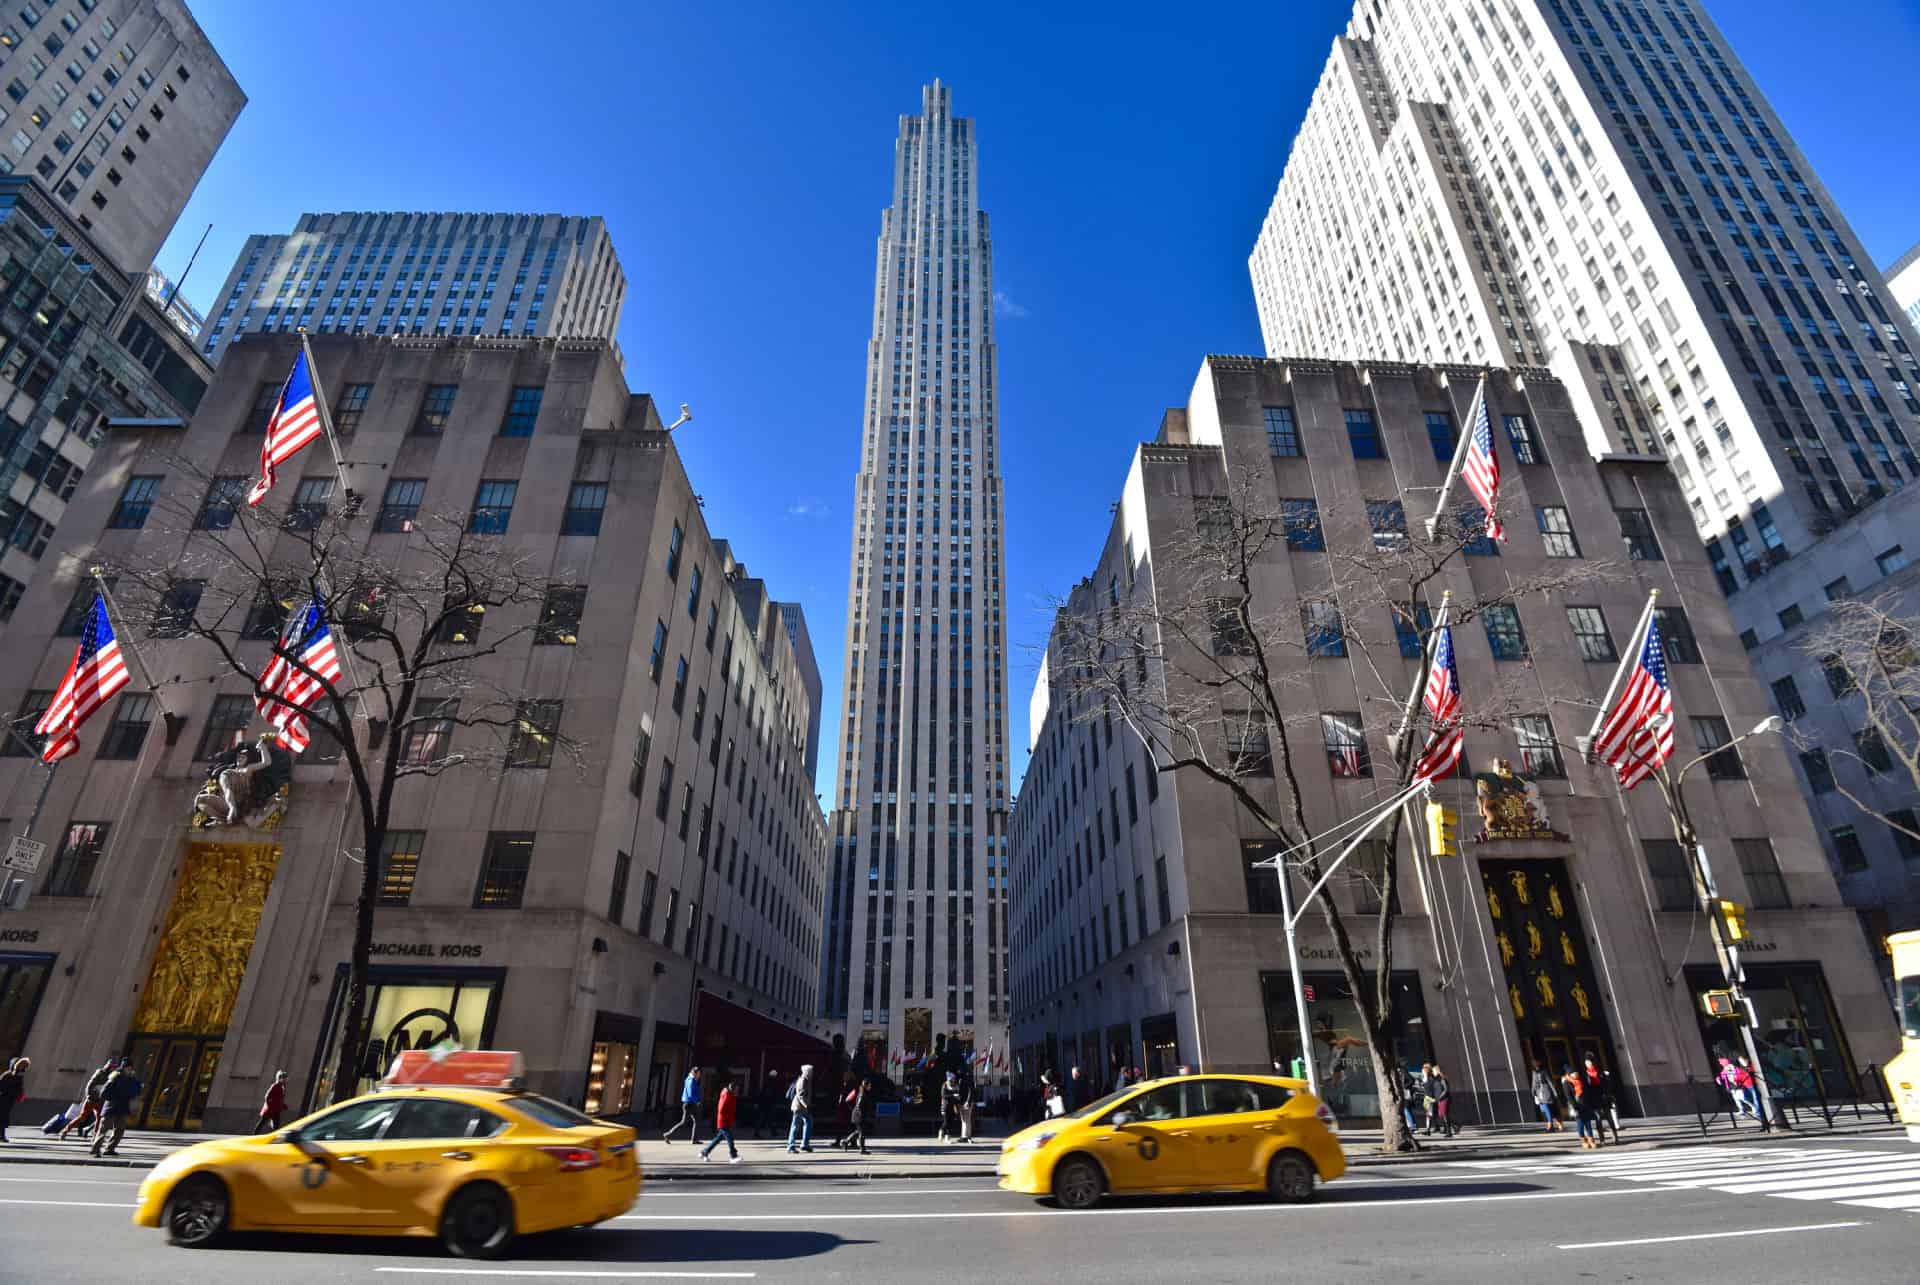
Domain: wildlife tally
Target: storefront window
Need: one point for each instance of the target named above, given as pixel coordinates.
(1160, 1042)
(410, 1009)
(23, 978)
(1802, 1047)
(1339, 1040)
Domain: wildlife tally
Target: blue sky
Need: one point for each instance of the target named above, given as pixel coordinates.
(741, 154)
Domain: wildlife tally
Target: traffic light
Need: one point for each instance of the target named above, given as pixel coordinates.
(1718, 1003)
(1443, 830)
(1733, 922)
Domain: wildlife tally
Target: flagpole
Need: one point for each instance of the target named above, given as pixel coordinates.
(1459, 455)
(1628, 659)
(124, 636)
(326, 419)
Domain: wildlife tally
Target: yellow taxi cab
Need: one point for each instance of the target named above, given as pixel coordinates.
(1181, 1133)
(448, 1146)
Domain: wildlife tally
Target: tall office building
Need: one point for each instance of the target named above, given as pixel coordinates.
(521, 275)
(1599, 186)
(1903, 279)
(916, 932)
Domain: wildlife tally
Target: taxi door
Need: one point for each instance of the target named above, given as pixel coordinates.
(432, 1146)
(1228, 1132)
(1146, 1142)
(324, 1177)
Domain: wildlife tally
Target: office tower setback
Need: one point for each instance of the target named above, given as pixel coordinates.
(520, 275)
(916, 923)
(1903, 279)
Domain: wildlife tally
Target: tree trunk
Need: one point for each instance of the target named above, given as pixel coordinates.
(347, 1070)
(1391, 1086)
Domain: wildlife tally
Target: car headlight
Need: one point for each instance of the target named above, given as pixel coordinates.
(1037, 1141)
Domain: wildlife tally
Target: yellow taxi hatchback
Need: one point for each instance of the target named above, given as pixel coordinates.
(475, 1167)
(1184, 1133)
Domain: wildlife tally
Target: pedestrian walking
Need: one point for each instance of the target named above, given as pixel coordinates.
(1076, 1094)
(116, 1103)
(800, 1107)
(1737, 1080)
(13, 1088)
(1423, 1094)
(1410, 1095)
(274, 1106)
(89, 1116)
(1582, 1103)
(689, 1109)
(967, 1091)
(856, 1101)
(724, 1112)
(1440, 1093)
(1052, 1103)
(1546, 1097)
(950, 1108)
(1606, 1103)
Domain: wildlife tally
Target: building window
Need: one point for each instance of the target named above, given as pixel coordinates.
(224, 496)
(693, 594)
(1672, 876)
(428, 733)
(24, 742)
(351, 407)
(1872, 749)
(1470, 529)
(1786, 696)
(1346, 741)
(226, 722)
(503, 870)
(1819, 770)
(1789, 616)
(1891, 560)
(1589, 625)
(674, 543)
(1363, 434)
(1300, 519)
(1388, 521)
(637, 774)
(1676, 635)
(1556, 531)
(1840, 589)
(679, 684)
(664, 798)
(1320, 620)
(617, 893)
(586, 505)
(136, 502)
(1411, 625)
(1165, 898)
(266, 400)
(1283, 438)
(436, 408)
(400, 506)
(309, 505)
(1440, 434)
(523, 407)
(493, 507)
(658, 655)
(1212, 523)
(1846, 846)
(1539, 751)
(173, 614)
(1248, 750)
(560, 616)
(73, 621)
(1709, 734)
(649, 892)
(1904, 826)
(399, 863)
(1504, 635)
(1520, 435)
(1839, 677)
(1263, 884)
(1766, 886)
(1230, 635)
(81, 848)
(1636, 528)
(535, 725)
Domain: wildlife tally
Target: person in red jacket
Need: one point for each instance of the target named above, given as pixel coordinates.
(724, 1112)
(275, 1105)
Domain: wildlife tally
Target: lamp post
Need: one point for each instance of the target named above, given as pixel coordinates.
(1726, 953)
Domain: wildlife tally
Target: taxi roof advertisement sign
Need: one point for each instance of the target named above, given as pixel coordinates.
(457, 1068)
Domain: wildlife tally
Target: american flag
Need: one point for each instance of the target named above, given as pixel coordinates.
(1637, 734)
(1449, 739)
(1481, 469)
(286, 688)
(295, 423)
(97, 672)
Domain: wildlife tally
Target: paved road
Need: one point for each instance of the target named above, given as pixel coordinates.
(1786, 1212)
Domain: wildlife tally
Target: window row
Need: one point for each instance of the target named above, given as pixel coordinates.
(399, 511)
(1366, 442)
(431, 417)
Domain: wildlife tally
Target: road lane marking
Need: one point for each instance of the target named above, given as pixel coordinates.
(868, 1192)
(78, 1182)
(1710, 1235)
(572, 1275)
(76, 1204)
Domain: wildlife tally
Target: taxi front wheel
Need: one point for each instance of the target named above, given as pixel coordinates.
(478, 1222)
(1290, 1178)
(1077, 1183)
(196, 1211)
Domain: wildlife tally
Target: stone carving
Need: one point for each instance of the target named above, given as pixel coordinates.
(202, 954)
(246, 785)
(1511, 806)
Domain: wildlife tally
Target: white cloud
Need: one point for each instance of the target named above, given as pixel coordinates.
(1004, 305)
(809, 507)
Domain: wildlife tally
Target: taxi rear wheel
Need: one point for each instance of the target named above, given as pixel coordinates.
(1078, 1183)
(196, 1211)
(478, 1222)
(1290, 1178)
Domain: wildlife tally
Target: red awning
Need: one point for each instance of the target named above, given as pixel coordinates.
(729, 1031)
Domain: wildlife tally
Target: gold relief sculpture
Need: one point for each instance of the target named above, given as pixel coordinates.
(1544, 986)
(1513, 997)
(1506, 949)
(1493, 903)
(1510, 805)
(1580, 1001)
(1555, 906)
(201, 957)
(1534, 944)
(1518, 878)
(1566, 951)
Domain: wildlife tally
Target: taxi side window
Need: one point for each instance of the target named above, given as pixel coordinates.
(1271, 1096)
(354, 1122)
(1163, 1103)
(438, 1118)
(1229, 1097)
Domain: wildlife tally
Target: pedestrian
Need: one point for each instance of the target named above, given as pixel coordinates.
(1582, 1103)
(1052, 1103)
(116, 1102)
(1423, 1094)
(13, 1088)
(275, 1105)
(1606, 1105)
(800, 1107)
(89, 1116)
(856, 1101)
(724, 1112)
(1076, 1090)
(950, 1108)
(766, 1105)
(1546, 1097)
(1737, 1080)
(689, 1109)
(1440, 1093)
(1410, 1099)
(968, 1089)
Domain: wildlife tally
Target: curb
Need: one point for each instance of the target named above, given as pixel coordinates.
(734, 1173)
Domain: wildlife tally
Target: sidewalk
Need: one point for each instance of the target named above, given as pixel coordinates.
(902, 1158)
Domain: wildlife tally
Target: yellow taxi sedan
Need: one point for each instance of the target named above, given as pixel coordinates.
(1184, 1133)
(475, 1167)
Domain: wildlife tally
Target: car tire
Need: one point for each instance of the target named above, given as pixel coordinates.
(197, 1211)
(477, 1222)
(1078, 1183)
(1290, 1177)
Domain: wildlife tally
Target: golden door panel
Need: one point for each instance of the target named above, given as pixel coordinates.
(201, 958)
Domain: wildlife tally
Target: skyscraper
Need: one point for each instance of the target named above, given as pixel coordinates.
(916, 920)
(519, 275)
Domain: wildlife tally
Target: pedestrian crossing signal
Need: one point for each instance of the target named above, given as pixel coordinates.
(1733, 922)
(1718, 1003)
(1443, 830)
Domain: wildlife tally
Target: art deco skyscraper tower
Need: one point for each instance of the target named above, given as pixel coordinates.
(916, 913)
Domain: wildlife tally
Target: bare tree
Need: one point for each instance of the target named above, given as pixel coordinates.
(415, 620)
(1213, 679)
(1869, 650)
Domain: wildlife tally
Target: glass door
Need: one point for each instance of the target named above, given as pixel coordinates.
(166, 1094)
(205, 1065)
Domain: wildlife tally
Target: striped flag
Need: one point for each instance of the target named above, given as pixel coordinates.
(1636, 735)
(294, 424)
(307, 641)
(97, 672)
(1448, 739)
(1481, 468)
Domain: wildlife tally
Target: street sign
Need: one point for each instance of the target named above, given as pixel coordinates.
(24, 854)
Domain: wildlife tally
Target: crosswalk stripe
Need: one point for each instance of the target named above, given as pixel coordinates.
(1819, 1178)
(1891, 1202)
(1886, 1188)
(1755, 1173)
(1881, 1180)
